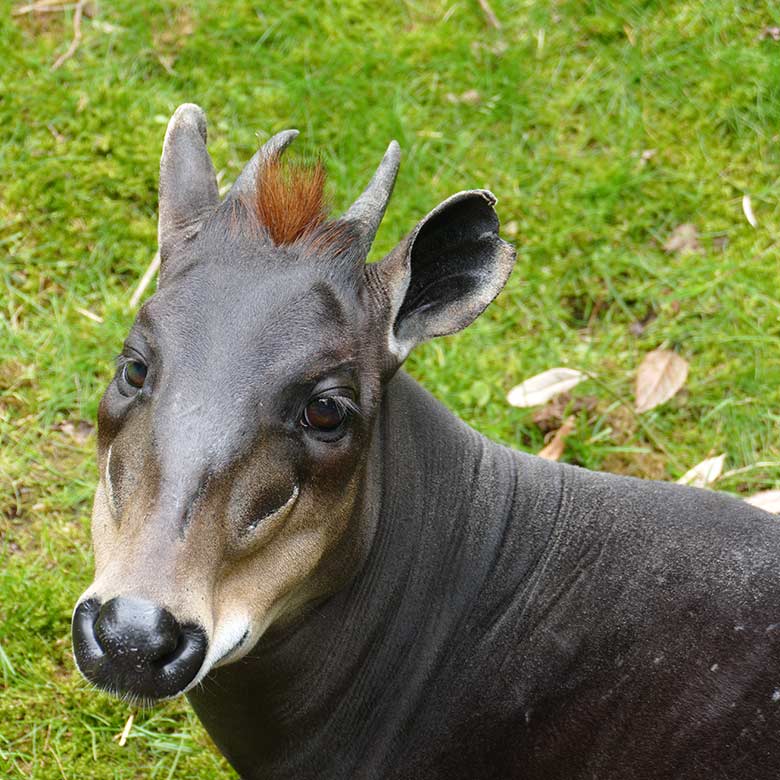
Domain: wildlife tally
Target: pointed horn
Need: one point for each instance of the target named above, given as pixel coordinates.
(188, 184)
(274, 146)
(367, 211)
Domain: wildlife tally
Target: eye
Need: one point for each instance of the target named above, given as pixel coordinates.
(324, 414)
(134, 373)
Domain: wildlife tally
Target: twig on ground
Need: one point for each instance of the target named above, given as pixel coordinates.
(74, 44)
(58, 136)
(490, 16)
(122, 738)
(90, 315)
(762, 464)
(145, 279)
(43, 7)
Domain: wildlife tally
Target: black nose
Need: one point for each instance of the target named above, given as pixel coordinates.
(131, 646)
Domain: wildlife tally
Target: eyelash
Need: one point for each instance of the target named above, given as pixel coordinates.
(345, 404)
(121, 360)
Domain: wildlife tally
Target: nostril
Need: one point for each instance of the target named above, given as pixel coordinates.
(165, 659)
(85, 640)
(189, 646)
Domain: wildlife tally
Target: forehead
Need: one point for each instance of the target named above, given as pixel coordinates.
(265, 316)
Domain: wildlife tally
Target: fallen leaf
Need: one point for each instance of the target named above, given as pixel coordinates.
(659, 377)
(747, 210)
(683, 239)
(554, 449)
(769, 32)
(768, 500)
(78, 430)
(470, 97)
(704, 473)
(541, 388)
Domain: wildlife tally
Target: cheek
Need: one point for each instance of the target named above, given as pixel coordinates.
(262, 584)
(276, 579)
(103, 529)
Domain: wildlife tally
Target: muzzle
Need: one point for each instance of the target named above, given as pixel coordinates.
(132, 647)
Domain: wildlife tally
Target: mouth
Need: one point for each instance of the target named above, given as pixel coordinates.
(137, 651)
(229, 639)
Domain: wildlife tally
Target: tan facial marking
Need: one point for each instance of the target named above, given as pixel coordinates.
(234, 592)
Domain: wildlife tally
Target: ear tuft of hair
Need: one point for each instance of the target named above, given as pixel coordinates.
(290, 199)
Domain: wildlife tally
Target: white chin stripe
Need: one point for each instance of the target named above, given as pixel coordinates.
(109, 486)
(230, 636)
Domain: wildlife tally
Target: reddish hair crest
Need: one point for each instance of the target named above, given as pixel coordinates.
(290, 199)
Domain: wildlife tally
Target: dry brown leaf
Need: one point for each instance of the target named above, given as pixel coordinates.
(78, 430)
(541, 388)
(683, 239)
(555, 448)
(704, 473)
(659, 377)
(768, 500)
(470, 97)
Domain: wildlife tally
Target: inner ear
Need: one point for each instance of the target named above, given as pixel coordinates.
(451, 267)
(449, 260)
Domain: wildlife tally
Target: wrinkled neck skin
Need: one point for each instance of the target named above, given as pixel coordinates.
(504, 616)
(344, 681)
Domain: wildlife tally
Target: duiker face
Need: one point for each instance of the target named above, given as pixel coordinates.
(233, 439)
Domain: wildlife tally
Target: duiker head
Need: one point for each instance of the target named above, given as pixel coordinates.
(234, 437)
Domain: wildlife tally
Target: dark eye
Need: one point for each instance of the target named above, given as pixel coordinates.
(134, 373)
(324, 414)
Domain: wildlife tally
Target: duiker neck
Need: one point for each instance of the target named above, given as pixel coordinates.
(447, 510)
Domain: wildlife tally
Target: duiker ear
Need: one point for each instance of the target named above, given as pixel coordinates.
(188, 184)
(443, 275)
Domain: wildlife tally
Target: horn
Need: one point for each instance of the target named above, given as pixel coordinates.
(367, 211)
(188, 184)
(273, 147)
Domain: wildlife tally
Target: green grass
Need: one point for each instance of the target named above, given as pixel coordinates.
(571, 94)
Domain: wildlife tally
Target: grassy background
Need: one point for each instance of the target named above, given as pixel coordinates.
(553, 112)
